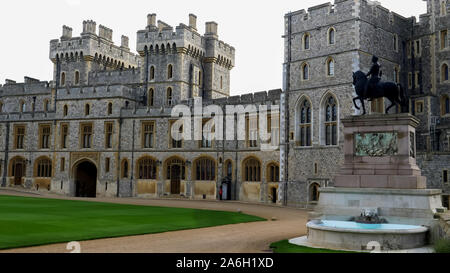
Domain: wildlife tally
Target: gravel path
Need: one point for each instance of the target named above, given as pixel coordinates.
(240, 238)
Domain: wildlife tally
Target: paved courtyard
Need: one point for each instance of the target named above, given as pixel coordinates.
(241, 238)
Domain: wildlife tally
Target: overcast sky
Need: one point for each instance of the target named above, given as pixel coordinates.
(254, 28)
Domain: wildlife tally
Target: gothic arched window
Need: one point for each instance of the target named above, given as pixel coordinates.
(331, 116)
(305, 124)
(331, 36)
(252, 170)
(330, 67)
(305, 72)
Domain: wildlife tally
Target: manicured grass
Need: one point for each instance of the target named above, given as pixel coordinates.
(33, 221)
(286, 247)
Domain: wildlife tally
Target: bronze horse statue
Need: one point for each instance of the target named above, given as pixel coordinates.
(390, 90)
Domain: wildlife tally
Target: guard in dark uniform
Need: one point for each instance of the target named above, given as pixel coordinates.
(375, 78)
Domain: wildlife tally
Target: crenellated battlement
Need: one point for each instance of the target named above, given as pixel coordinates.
(30, 86)
(89, 45)
(162, 39)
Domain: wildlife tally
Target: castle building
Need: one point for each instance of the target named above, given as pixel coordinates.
(103, 125)
(323, 46)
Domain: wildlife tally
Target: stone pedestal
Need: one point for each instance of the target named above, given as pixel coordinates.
(380, 152)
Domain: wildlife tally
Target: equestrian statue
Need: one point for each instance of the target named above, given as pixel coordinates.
(374, 88)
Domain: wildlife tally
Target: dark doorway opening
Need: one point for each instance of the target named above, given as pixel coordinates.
(86, 180)
(19, 171)
(175, 179)
(274, 195)
(226, 189)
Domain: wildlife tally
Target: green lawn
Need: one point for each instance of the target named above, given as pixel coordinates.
(286, 247)
(34, 221)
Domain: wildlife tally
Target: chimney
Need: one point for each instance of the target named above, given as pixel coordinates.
(151, 21)
(211, 29)
(67, 33)
(125, 42)
(89, 27)
(193, 21)
(105, 33)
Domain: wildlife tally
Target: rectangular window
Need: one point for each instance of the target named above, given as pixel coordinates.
(107, 164)
(273, 128)
(395, 43)
(148, 134)
(445, 177)
(409, 49)
(86, 135)
(63, 164)
(410, 80)
(44, 136)
(444, 39)
(109, 131)
(251, 125)
(419, 107)
(19, 137)
(416, 79)
(175, 144)
(64, 135)
(207, 133)
(417, 48)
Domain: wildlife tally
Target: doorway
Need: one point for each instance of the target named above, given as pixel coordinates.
(86, 180)
(274, 195)
(18, 171)
(175, 179)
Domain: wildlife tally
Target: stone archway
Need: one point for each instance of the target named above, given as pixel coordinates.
(85, 174)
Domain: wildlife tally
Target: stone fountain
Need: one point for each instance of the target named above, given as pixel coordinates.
(379, 195)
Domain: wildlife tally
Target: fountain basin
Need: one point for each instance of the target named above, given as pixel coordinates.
(355, 236)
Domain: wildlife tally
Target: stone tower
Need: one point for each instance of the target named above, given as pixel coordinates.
(75, 57)
(183, 64)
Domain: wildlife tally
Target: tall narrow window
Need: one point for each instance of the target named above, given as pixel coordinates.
(331, 122)
(65, 110)
(152, 73)
(444, 72)
(252, 130)
(305, 124)
(445, 105)
(444, 39)
(151, 94)
(331, 36)
(20, 137)
(1, 107)
(395, 42)
(109, 131)
(443, 8)
(330, 67)
(63, 79)
(87, 110)
(44, 136)
(110, 108)
(23, 107)
(273, 175)
(46, 103)
(273, 128)
(62, 166)
(417, 48)
(200, 78)
(169, 72)
(107, 164)
(86, 136)
(169, 97)
(221, 82)
(77, 78)
(396, 75)
(124, 168)
(64, 135)
(305, 72)
(306, 41)
(176, 144)
(445, 177)
(148, 134)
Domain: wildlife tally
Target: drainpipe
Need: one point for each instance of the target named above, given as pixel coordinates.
(284, 146)
(132, 161)
(118, 154)
(5, 162)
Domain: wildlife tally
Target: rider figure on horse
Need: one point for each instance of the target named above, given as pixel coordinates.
(375, 77)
